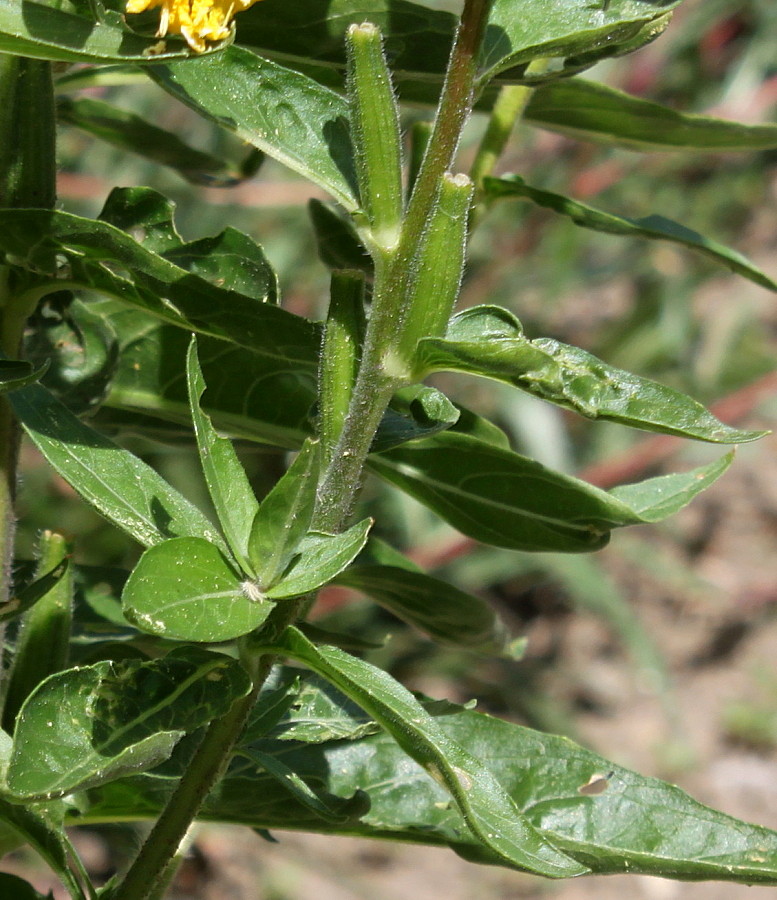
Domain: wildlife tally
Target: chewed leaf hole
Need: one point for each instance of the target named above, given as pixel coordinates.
(596, 784)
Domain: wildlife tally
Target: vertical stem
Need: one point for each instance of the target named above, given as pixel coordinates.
(152, 865)
(509, 107)
(379, 375)
(27, 179)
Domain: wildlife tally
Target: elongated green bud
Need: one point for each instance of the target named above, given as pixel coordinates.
(376, 134)
(340, 354)
(437, 268)
(44, 634)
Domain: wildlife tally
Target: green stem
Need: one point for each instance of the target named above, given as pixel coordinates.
(508, 109)
(380, 372)
(152, 864)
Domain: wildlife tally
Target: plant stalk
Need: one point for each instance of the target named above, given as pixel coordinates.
(380, 372)
(151, 866)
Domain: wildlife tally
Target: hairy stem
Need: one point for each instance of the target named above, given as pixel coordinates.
(151, 866)
(379, 375)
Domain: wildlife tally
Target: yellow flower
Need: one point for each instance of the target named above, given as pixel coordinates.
(199, 21)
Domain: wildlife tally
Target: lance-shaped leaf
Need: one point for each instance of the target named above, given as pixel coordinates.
(128, 131)
(489, 341)
(634, 824)
(228, 486)
(47, 31)
(185, 589)
(285, 114)
(60, 248)
(501, 498)
(320, 557)
(595, 112)
(249, 394)
(487, 810)
(93, 724)
(440, 610)
(127, 491)
(654, 227)
(574, 34)
(327, 806)
(282, 520)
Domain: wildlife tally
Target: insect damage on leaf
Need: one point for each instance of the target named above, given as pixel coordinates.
(198, 21)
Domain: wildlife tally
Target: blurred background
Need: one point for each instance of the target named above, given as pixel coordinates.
(659, 651)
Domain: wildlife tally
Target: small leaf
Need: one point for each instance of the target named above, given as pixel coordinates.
(653, 227)
(283, 518)
(487, 810)
(338, 242)
(285, 114)
(228, 486)
(124, 489)
(185, 589)
(96, 256)
(93, 724)
(36, 828)
(594, 112)
(435, 607)
(327, 806)
(321, 557)
(501, 498)
(16, 373)
(130, 132)
(489, 341)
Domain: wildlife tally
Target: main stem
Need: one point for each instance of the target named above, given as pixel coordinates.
(378, 377)
(206, 768)
(339, 487)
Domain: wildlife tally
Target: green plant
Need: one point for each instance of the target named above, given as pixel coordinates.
(208, 693)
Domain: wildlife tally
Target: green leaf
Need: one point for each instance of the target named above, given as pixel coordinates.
(282, 520)
(415, 411)
(574, 34)
(317, 712)
(16, 373)
(119, 485)
(229, 488)
(635, 825)
(487, 810)
(654, 227)
(33, 592)
(489, 341)
(80, 350)
(250, 394)
(283, 113)
(440, 610)
(338, 242)
(130, 132)
(37, 828)
(327, 806)
(42, 645)
(321, 557)
(595, 112)
(90, 725)
(46, 31)
(99, 257)
(500, 498)
(185, 589)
